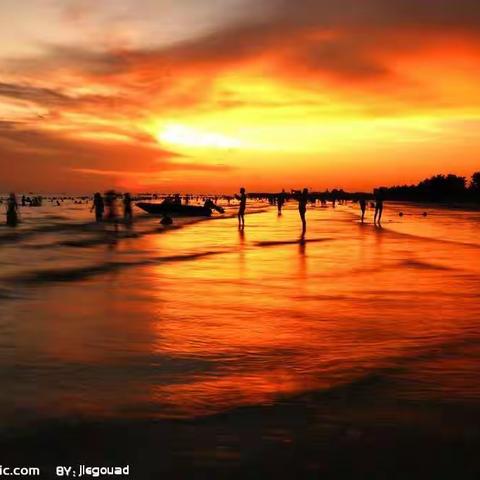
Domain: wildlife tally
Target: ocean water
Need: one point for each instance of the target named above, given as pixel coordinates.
(202, 318)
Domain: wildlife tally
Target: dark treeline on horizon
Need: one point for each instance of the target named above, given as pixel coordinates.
(438, 188)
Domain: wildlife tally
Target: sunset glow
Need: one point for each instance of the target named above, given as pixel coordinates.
(188, 137)
(188, 96)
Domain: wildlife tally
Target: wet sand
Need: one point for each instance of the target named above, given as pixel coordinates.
(359, 433)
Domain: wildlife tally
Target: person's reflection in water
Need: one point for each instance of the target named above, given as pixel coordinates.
(241, 236)
(241, 251)
(110, 203)
(302, 259)
(127, 208)
(241, 209)
(12, 210)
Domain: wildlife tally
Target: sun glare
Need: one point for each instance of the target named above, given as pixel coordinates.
(190, 137)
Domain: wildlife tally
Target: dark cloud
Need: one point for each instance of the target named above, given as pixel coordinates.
(379, 13)
(33, 94)
(360, 29)
(76, 59)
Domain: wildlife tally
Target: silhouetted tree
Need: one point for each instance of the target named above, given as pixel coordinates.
(475, 182)
(475, 186)
(434, 189)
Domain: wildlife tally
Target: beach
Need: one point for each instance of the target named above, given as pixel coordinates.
(204, 351)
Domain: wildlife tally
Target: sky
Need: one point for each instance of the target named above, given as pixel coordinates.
(210, 95)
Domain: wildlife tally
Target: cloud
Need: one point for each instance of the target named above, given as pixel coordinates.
(42, 158)
(348, 41)
(82, 107)
(32, 158)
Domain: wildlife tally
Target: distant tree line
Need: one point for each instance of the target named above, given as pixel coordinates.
(439, 188)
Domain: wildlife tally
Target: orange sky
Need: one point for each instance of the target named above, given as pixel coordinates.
(207, 95)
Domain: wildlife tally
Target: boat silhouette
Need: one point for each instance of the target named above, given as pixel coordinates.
(179, 210)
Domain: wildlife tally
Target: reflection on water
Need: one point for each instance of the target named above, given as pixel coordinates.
(204, 318)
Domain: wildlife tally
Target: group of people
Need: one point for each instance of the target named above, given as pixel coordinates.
(377, 205)
(106, 207)
(303, 198)
(12, 207)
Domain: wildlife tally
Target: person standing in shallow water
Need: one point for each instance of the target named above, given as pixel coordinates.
(281, 201)
(98, 206)
(363, 207)
(302, 209)
(378, 209)
(12, 210)
(127, 208)
(243, 205)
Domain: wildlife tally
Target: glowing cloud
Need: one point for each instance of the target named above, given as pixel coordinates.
(189, 137)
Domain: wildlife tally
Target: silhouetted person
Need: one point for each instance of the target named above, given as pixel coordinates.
(363, 207)
(12, 210)
(241, 209)
(378, 209)
(213, 206)
(24, 201)
(281, 201)
(302, 208)
(98, 206)
(127, 208)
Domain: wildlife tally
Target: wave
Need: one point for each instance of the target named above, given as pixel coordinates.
(82, 273)
(104, 236)
(27, 230)
(423, 265)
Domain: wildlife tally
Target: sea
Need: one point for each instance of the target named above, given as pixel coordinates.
(199, 318)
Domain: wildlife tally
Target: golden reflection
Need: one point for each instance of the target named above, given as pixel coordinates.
(209, 318)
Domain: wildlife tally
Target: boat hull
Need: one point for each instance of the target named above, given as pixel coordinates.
(173, 210)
